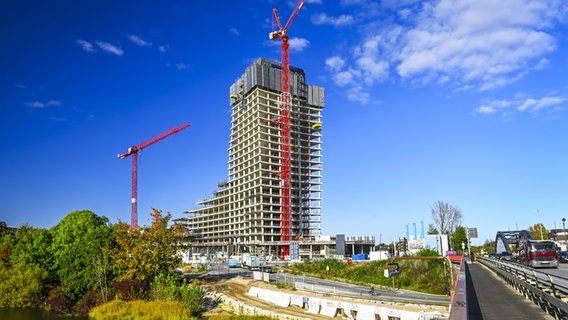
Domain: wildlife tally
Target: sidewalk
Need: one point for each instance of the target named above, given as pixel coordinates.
(490, 298)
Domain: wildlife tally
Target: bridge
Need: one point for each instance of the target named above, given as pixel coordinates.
(485, 289)
(505, 241)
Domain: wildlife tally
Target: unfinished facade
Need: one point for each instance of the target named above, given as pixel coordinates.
(243, 214)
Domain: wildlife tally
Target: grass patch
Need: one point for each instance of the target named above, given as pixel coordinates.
(243, 317)
(429, 276)
(142, 310)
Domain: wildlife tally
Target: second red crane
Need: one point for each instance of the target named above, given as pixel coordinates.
(133, 151)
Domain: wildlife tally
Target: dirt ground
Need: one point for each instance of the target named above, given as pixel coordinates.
(237, 289)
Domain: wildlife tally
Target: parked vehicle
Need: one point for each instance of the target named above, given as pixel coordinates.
(537, 253)
(233, 263)
(251, 262)
(494, 255)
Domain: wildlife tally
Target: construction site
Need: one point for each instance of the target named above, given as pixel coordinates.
(245, 213)
(270, 203)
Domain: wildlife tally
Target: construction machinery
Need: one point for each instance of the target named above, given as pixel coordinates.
(133, 151)
(284, 122)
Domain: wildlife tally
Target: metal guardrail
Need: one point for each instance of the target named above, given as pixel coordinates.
(548, 291)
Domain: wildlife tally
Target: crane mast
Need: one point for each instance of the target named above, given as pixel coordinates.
(133, 152)
(284, 121)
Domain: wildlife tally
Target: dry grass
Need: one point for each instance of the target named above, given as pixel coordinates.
(142, 310)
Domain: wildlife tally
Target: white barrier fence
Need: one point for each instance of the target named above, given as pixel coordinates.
(330, 308)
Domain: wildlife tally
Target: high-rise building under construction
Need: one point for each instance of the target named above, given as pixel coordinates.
(244, 214)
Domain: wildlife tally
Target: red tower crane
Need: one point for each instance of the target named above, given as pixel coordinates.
(133, 151)
(284, 121)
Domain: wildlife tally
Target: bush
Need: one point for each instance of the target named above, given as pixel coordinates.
(425, 252)
(56, 301)
(243, 317)
(22, 286)
(141, 310)
(129, 290)
(167, 288)
(90, 300)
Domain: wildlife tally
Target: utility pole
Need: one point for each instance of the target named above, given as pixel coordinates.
(564, 231)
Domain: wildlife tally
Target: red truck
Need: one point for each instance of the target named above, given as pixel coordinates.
(537, 254)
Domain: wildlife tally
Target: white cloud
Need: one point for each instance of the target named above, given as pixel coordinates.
(298, 44)
(347, 77)
(139, 41)
(542, 64)
(468, 45)
(323, 18)
(40, 105)
(357, 94)
(533, 105)
(335, 63)
(110, 48)
(34, 104)
(493, 106)
(59, 119)
(163, 49)
(55, 103)
(86, 45)
(477, 41)
(370, 62)
(234, 32)
(181, 66)
(530, 105)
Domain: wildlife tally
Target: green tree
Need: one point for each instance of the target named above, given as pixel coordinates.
(77, 247)
(31, 246)
(539, 232)
(3, 229)
(5, 244)
(490, 245)
(144, 253)
(460, 237)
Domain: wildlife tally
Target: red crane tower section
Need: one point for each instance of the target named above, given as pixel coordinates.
(284, 121)
(133, 151)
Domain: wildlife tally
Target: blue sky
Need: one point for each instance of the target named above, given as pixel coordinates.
(459, 101)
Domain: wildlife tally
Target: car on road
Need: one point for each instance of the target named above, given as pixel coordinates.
(505, 255)
(494, 255)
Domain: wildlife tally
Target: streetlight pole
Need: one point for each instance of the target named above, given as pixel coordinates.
(564, 231)
(540, 227)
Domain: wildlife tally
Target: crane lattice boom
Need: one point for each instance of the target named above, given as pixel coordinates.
(133, 151)
(284, 122)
